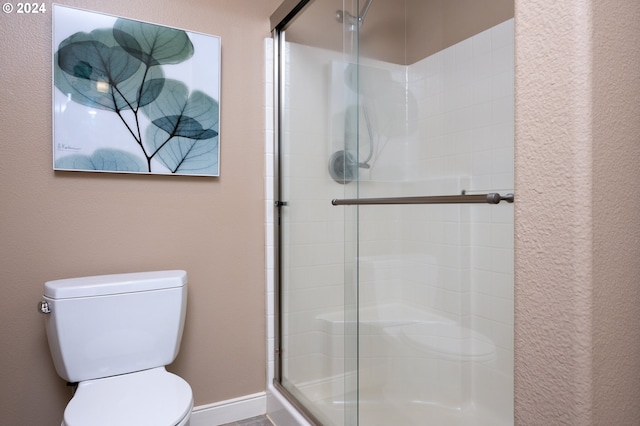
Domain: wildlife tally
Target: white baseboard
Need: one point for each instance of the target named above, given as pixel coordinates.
(230, 410)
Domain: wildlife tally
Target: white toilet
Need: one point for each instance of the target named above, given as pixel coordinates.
(114, 335)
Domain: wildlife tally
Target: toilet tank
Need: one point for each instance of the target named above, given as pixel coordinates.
(107, 325)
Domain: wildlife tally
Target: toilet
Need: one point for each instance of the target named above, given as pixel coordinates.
(113, 335)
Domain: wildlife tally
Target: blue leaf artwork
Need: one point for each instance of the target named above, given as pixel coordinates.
(134, 97)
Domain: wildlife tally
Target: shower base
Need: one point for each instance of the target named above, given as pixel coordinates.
(416, 367)
(381, 412)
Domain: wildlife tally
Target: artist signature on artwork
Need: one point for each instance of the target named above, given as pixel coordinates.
(67, 147)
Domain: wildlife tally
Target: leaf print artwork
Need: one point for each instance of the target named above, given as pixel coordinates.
(134, 97)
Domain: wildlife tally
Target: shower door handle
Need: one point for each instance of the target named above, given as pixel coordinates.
(490, 198)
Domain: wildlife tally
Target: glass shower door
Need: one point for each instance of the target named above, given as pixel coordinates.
(396, 299)
(317, 357)
(435, 254)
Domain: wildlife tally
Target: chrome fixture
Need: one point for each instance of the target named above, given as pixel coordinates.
(490, 198)
(43, 307)
(341, 15)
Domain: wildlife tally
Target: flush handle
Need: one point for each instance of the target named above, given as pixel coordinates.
(43, 307)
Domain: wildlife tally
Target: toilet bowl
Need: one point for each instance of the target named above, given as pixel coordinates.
(113, 335)
(152, 397)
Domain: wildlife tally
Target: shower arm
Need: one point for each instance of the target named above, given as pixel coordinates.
(353, 20)
(364, 11)
(490, 198)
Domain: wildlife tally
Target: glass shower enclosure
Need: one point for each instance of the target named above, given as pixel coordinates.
(394, 206)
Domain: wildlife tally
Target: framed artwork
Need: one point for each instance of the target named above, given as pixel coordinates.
(134, 97)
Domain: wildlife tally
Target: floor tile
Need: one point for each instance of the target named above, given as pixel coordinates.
(253, 421)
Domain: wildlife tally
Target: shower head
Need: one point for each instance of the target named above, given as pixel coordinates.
(341, 15)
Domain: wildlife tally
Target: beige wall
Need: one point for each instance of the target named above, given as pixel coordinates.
(577, 346)
(577, 221)
(56, 225)
(437, 24)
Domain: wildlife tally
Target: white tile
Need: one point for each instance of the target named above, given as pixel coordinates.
(502, 311)
(481, 163)
(481, 115)
(502, 235)
(483, 137)
(503, 110)
(503, 83)
(502, 285)
(482, 66)
(502, 260)
(481, 43)
(502, 34)
(502, 335)
(502, 182)
(481, 305)
(483, 90)
(502, 135)
(503, 60)
(482, 281)
(503, 214)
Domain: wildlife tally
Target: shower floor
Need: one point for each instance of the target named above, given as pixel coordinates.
(379, 410)
(400, 345)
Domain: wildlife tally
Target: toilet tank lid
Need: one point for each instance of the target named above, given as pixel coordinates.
(104, 285)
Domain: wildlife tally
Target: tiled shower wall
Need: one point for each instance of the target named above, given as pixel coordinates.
(454, 133)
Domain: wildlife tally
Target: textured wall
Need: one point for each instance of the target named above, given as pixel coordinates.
(577, 310)
(553, 214)
(616, 213)
(55, 225)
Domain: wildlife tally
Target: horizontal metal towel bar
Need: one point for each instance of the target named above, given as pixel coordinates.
(490, 198)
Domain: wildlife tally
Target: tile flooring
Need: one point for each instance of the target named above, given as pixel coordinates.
(253, 421)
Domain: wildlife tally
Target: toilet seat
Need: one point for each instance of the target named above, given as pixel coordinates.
(152, 397)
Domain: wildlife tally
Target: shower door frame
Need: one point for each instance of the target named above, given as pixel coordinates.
(279, 20)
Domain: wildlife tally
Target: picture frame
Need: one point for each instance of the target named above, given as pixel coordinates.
(134, 97)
